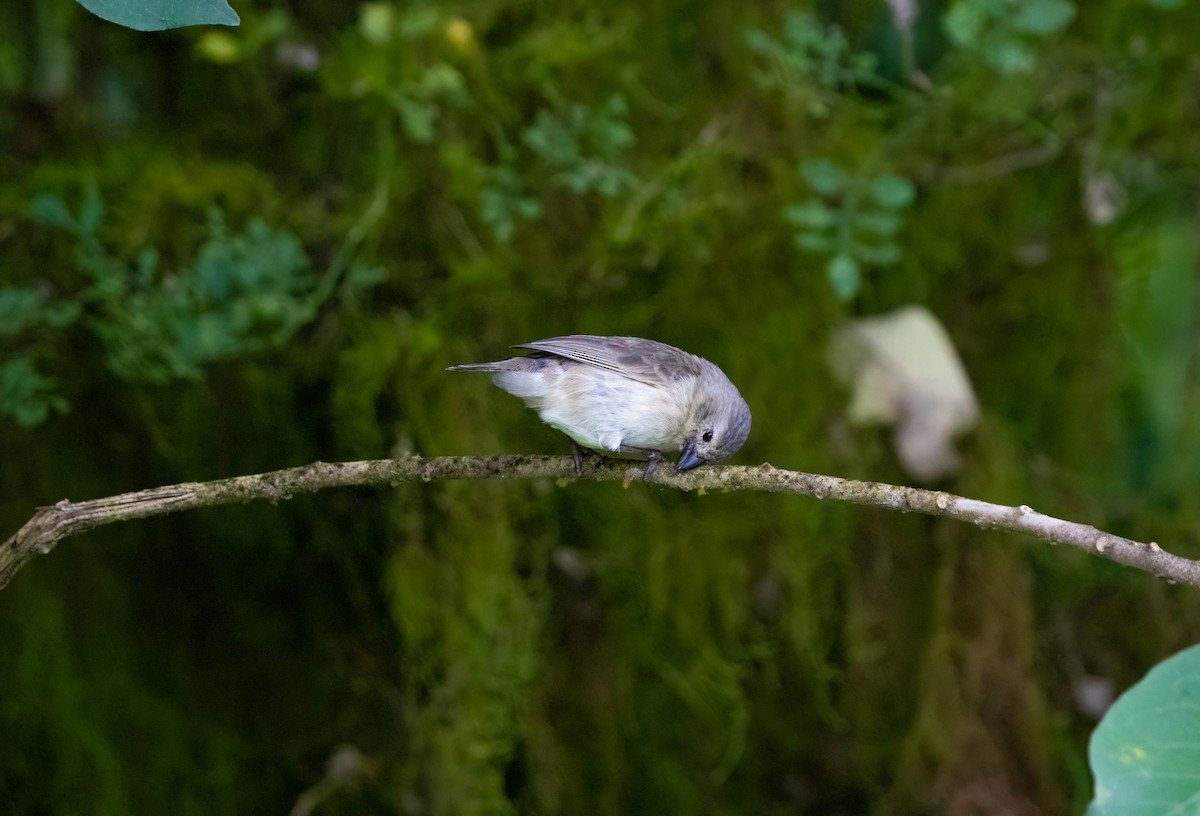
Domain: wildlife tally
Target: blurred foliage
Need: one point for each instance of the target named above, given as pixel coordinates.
(230, 250)
(809, 55)
(244, 293)
(1005, 31)
(853, 221)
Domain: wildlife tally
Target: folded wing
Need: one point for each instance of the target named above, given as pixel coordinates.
(646, 361)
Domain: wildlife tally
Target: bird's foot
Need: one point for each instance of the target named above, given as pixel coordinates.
(585, 457)
(577, 454)
(652, 459)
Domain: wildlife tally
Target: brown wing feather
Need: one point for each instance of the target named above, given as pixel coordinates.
(638, 359)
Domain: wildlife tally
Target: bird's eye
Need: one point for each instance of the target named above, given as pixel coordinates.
(707, 436)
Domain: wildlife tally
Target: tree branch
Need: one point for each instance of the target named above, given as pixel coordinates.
(52, 524)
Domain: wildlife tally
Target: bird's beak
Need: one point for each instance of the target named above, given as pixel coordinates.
(687, 457)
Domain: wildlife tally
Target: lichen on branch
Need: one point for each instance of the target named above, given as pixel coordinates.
(51, 524)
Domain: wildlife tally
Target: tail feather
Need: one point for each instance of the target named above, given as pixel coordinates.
(511, 364)
(496, 366)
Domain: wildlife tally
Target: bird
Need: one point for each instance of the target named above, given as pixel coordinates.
(627, 396)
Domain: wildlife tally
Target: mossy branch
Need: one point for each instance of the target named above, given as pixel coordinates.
(66, 518)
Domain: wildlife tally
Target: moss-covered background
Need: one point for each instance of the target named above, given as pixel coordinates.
(224, 251)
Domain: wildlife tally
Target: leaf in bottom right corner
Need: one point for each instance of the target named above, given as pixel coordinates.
(1145, 753)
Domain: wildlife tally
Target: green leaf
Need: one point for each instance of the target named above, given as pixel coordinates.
(61, 315)
(24, 308)
(147, 262)
(758, 40)
(1044, 16)
(1145, 754)
(159, 15)
(420, 22)
(883, 255)
(360, 277)
(802, 32)
(245, 292)
(19, 308)
(442, 80)
(893, 192)
(963, 23)
(844, 276)
(50, 209)
(1011, 58)
(608, 132)
(1167, 4)
(529, 208)
(864, 67)
(376, 22)
(26, 396)
(504, 200)
(418, 118)
(878, 222)
(811, 214)
(552, 140)
(814, 242)
(220, 47)
(824, 176)
(91, 212)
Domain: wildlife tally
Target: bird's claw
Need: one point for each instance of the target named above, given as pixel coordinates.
(577, 453)
(652, 459)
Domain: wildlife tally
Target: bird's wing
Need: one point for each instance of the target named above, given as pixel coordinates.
(638, 359)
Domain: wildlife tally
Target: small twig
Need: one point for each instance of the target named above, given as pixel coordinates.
(1002, 165)
(52, 524)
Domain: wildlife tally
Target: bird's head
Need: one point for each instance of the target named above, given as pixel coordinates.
(718, 424)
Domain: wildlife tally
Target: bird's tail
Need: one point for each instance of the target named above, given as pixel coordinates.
(499, 365)
(528, 364)
(519, 376)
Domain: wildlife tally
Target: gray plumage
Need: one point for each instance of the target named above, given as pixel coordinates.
(627, 395)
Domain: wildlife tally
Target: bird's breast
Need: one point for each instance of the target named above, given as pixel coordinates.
(603, 410)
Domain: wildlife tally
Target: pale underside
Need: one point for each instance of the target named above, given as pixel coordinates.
(601, 409)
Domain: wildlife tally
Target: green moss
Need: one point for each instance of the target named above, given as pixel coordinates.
(445, 182)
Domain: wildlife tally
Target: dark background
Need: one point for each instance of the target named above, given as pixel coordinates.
(236, 250)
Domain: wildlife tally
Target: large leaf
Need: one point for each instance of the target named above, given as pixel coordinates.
(1145, 754)
(157, 15)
